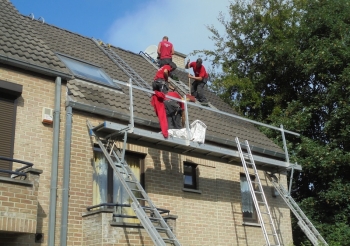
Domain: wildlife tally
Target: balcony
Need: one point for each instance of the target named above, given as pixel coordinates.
(19, 198)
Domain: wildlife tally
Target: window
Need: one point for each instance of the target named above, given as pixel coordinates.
(190, 176)
(248, 208)
(9, 92)
(107, 188)
(87, 71)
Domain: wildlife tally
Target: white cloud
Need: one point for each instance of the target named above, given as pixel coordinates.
(183, 21)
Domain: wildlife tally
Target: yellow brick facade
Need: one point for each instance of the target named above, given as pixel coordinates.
(212, 217)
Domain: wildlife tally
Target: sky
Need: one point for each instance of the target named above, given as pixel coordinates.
(134, 24)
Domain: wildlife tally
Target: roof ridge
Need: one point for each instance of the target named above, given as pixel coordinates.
(63, 29)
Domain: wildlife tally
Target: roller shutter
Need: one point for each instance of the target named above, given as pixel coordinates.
(7, 123)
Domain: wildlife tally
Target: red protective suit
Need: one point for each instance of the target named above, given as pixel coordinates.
(158, 105)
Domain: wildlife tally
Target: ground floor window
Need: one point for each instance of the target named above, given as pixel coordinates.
(190, 176)
(107, 187)
(248, 209)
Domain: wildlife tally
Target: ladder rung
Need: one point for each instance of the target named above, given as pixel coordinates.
(152, 218)
(124, 173)
(131, 181)
(143, 199)
(136, 190)
(161, 229)
(168, 240)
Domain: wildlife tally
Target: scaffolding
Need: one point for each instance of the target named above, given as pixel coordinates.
(107, 132)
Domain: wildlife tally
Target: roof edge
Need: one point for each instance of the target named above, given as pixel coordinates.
(141, 121)
(34, 68)
(180, 54)
(109, 113)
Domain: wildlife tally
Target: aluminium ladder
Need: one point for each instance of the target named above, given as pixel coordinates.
(258, 195)
(305, 224)
(122, 64)
(149, 216)
(179, 84)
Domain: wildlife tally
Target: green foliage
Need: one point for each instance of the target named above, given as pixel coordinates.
(287, 62)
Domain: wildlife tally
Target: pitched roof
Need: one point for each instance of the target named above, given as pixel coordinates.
(20, 42)
(36, 42)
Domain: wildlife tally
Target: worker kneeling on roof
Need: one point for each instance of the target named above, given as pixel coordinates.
(161, 82)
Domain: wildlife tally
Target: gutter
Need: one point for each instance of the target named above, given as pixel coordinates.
(66, 176)
(54, 163)
(34, 68)
(140, 121)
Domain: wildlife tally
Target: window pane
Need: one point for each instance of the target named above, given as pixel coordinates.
(248, 208)
(99, 178)
(87, 71)
(189, 176)
(247, 215)
(188, 180)
(188, 169)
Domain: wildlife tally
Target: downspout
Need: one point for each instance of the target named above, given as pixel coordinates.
(66, 175)
(54, 163)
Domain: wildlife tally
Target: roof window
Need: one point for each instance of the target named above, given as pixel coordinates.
(87, 71)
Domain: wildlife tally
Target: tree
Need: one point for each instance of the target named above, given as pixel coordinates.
(287, 62)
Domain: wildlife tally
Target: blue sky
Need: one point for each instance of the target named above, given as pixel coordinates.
(133, 24)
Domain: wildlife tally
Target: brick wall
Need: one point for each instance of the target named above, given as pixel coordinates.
(33, 139)
(179, 60)
(19, 204)
(212, 217)
(98, 231)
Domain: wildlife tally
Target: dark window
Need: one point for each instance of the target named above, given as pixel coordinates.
(190, 176)
(248, 208)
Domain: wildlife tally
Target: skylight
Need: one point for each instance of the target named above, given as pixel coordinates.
(87, 71)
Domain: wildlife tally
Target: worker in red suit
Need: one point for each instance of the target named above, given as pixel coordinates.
(200, 80)
(174, 110)
(165, 51)
(161, 82)
(161, 87)
(157, 101)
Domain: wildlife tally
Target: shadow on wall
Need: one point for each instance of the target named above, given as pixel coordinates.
(171, 161)
(39, 236)
(167, 173)
(135, 234)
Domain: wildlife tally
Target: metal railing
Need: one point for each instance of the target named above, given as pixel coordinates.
(186, 103)
(161, 210)
(18, 171)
